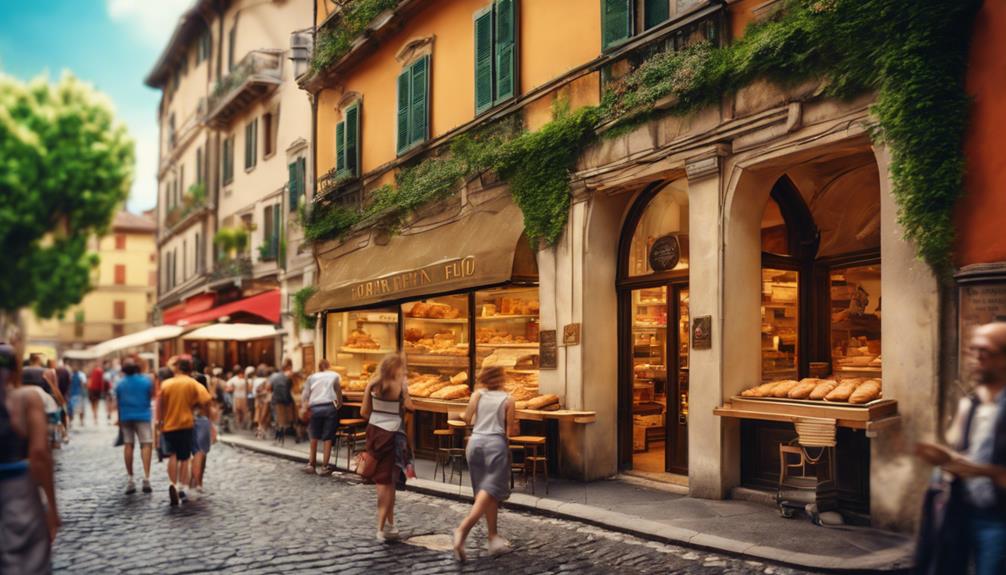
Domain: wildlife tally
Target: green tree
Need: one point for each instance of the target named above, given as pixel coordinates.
(66, 165)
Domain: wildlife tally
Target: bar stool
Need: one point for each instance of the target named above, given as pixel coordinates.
(349, 434)
(536, 445)
(445, 445)
(457, 457)
(516, 466)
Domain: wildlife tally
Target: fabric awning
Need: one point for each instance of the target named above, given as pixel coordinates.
(138, 339)
(233, 332)
(264, 305)
(478, 249)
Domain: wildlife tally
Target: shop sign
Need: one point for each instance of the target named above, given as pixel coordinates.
(980, 303)
(437, 274)
(665, 253)
(548, 349)
(571, 334)
(702, 332)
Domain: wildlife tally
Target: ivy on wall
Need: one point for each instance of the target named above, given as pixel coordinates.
(912, 55)
(335, 42)
(303, 319)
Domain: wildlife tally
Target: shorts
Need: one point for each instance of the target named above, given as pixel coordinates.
(178, 443)
(323, 423)
(94, 395)
(76, 404)
(201, 435)
(133, 431)
(24, 537)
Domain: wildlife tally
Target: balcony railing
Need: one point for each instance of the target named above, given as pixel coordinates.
(255, 75)
(193, 201)
(226, 268)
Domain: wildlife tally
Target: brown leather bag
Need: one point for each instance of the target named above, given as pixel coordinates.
(366, 465)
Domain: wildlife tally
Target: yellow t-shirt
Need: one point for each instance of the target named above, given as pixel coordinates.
(178, 396)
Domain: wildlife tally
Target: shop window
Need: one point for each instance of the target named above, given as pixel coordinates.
(855, 320)
(779, 324)
(413, 104)
(347, 142)
(357, 340)
(437, 345)
(665, 220)
(495, 54)
(506, 334)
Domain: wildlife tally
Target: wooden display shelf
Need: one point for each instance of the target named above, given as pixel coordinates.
(458, 405)
(427, 360)
(871, 417)
(505, 345)
(499, 317)
(363, 350)
(457, 320)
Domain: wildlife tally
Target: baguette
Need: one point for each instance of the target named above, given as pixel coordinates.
(783, 387)
(824, 387)
(542, 400)
(521, 405)
(842, 392)
(866, 392)
(762, 390)
(804, 388)
(450, 392)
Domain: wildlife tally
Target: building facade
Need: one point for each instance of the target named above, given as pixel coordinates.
(703, 255)
(123, 298)
(233, 159)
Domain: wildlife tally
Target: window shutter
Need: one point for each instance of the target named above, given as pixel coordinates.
(616, 22)
(274, 248)
(506, 49)
(340, 146)
(403, 110)
(294, 186)
(420, 107)
(302, 176)
(484, 61)
(249, 139)
(655, 12)
(353, 140)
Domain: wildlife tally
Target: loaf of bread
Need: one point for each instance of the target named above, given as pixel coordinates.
(420, 309)
(521, 405)
(866, 392)
(451, 392)
(842, 392)
(783, 388)
(823, 388)
(459, 378)
(542, 400)
(803, 389)
(763, 390)
(552, 407)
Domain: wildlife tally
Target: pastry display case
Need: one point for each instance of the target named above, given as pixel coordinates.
(779, 317)
(855, 321)
(506, 334)
(435, 340)
(649, 366)
(358, 340)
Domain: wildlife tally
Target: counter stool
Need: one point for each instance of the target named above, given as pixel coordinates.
(445, 448)
(457, 457)
(517, 466)
(349, 434)
(535, 452)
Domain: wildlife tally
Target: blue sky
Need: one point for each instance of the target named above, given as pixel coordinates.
(109, 43)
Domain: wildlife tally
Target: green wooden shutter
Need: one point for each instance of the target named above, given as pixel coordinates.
(274, 247)
(484, 61)
(353, 140)
(506, 49)
(403, 110)
(340, 146)
(294, 184)
(420, 95)
(655, 12)
(248, 145)
(616, 22)
(302, 176)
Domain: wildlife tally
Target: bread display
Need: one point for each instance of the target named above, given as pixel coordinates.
(823, 388)
(782, 388)
(803, 389)
(489, 335)
(866, 392)
(441, 342)
(451, 392)
(359, 339)
(854, 390)
(543, 400)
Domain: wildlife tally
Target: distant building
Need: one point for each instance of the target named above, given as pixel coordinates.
(122, 299)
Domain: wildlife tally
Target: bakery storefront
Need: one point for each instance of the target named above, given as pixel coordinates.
(450, 296)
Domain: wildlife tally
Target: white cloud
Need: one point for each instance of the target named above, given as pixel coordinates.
(150, 20)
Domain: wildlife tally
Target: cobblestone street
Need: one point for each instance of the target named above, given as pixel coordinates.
(262, 515)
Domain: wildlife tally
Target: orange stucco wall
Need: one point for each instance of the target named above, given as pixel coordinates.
(546, 52)
(982, 212)
(741, 15)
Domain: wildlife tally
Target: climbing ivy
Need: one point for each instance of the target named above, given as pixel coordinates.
(335, 42)
(303, 319)
(911, 55)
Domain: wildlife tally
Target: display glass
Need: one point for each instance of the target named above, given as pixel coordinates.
(855, 321)
(779, 317)
(506, 334)
(665, 215)
(358, 340)
(649, 377)
(437, 346)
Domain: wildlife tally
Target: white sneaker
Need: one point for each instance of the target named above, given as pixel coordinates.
(130, 487)
(390, 533)
(498, 545)
(380, 535)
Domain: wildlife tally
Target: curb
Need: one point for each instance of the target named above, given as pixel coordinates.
(893, 560)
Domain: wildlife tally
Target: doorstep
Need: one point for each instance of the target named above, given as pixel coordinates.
(642, 509)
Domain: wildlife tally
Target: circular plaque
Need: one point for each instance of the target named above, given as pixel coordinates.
(665, 253)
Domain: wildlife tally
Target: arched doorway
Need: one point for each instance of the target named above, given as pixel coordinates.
(652, 285)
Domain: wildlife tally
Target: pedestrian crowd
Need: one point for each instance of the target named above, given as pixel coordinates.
(179, 408)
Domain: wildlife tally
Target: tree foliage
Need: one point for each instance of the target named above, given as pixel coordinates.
(66, 165)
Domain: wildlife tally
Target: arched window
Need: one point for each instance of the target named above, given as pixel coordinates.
(659, 218)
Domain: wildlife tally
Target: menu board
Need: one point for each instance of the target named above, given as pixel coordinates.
(980, 303)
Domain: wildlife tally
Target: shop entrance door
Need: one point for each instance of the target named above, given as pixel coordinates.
(655, 378)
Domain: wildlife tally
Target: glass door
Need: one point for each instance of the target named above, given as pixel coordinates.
(649, 358)
(677, 413)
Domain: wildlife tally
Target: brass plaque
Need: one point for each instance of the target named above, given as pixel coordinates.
(571, 334)
(702, 332)
(548, 349)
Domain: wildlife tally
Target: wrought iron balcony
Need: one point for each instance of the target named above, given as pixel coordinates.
(259, 72)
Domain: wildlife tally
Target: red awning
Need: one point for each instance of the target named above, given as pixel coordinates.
(193, 305)
(264, 305)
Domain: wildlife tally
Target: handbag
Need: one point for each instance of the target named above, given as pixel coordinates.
(119, 439)
(366, 465)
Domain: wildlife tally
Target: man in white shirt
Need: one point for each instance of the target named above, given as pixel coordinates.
(322, 395)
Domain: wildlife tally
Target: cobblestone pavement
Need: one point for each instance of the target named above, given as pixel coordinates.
(263, 515)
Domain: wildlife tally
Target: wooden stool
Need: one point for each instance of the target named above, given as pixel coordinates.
(514, 465)
(536, 445)
(348, 434)
(457, 458)
(445, 445)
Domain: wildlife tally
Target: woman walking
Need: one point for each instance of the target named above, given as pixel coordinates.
(491, 413)
(384, 400)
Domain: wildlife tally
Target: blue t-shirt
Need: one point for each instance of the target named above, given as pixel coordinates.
(133, 396)
(77, 383)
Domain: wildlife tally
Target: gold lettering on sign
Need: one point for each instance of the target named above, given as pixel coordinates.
(441, 273)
